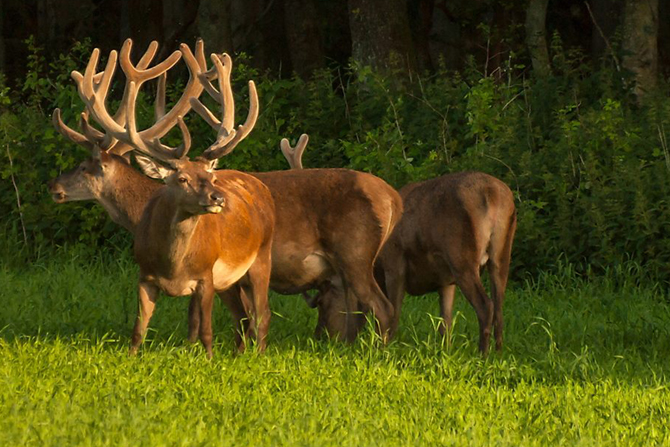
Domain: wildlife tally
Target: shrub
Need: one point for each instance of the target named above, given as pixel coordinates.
(589, 167)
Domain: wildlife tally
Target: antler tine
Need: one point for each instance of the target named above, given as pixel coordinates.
(159, 106)
(92, 134)
(225, 145)
(143, 63)
(181, 150)
(294, 154)
(222, 69)
(141, 74)
(68, 132)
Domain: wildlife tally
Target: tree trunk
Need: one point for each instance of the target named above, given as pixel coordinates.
(640, 43)
(46, 22)
(303, 36)
(142, 28)
(536, 15)
(380, 34)
(214, 25)
(421, 24)
(2, 41)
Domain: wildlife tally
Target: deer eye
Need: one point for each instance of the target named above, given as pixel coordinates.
(182, 180)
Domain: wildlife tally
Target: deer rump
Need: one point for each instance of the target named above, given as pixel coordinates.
(452, 226)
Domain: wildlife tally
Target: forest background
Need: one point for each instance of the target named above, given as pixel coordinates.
(566, 101)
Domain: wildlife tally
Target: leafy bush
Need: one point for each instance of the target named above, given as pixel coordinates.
(589, 167)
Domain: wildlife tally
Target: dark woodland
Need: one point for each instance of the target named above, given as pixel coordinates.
(290, 36)
(566, 101)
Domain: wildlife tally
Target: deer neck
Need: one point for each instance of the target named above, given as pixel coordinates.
(183, 228)
(126, 197)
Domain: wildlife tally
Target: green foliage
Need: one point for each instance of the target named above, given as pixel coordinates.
(581, 366)
(589, 167)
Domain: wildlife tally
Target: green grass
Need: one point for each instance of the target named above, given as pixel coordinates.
(585, 363)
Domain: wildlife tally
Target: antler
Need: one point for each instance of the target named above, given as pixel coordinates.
(227, 136)
(93, 88)
(92, 137)
(294, 154)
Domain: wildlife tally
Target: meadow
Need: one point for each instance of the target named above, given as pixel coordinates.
(585, 363)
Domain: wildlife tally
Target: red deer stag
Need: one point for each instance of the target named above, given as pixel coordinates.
(106, 176)
(314, 253)
(451, 227)
(202, 232)
(331, 225)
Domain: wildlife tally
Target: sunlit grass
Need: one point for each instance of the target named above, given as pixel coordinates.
(585, 363)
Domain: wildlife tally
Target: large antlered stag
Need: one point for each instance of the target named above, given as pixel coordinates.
(202, 232)
(330, 224)
(451, 227)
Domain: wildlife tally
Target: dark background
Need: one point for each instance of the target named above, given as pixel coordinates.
(286, 36)
(566, 101)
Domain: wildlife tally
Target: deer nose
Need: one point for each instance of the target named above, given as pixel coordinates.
(216, 197)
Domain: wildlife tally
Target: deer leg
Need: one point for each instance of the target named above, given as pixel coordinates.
(447, 293)
(395, 290)
(333, 315)
(498, 278)
(370, 296)
(498, 267)
(193, 320)
(471, 285)
(233, 300)
(147, 296)
(204, 294)
(258, 287)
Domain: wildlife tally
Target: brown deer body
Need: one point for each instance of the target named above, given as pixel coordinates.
(331, 225)
(315, 245)
(451, 227)
(183, 249)
(201, 233)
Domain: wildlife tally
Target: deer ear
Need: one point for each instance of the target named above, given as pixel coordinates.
(151, 168)
(126, 157)
(212, 165)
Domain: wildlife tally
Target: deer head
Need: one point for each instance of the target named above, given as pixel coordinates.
(193, 182)
(99, 173)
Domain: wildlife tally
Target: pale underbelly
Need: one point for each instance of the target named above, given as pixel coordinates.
(300, 273)
(223, 274)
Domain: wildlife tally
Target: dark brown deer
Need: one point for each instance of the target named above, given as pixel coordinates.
(312, 247)
(203, 232)
(452, 226)
(331, 225)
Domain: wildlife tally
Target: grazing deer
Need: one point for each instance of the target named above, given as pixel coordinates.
(330, 224)
(312, 245)
(451, 227)
(203, 232)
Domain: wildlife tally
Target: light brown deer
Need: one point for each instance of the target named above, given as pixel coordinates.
(331, 224)
(202, 232)
(452, 226)
(106, 176)
(312, 244)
